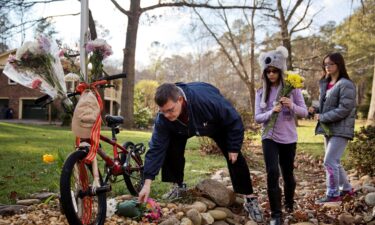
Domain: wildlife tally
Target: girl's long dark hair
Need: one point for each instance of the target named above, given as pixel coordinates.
(338, 59)
(268, 82)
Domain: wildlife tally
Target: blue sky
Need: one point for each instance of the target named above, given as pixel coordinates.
(169, 30)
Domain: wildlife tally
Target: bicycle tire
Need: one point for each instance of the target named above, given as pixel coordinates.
(76, 176)
(133, 180)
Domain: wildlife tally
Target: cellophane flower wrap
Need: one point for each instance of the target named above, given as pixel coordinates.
(292, 81)
(37, 65)
(98, 50)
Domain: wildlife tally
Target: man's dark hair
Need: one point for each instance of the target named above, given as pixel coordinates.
(165, 92)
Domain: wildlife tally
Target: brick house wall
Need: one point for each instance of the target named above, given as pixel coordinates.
(15, 93)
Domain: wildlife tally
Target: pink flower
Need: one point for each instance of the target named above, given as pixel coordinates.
(99, 46)
(12, 59)
(152, 210)
(36, 84)
(61, 53)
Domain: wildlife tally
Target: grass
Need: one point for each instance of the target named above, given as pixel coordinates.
(22, 171)
(311, 143)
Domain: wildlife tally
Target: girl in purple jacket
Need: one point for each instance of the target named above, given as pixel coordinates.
(279, 143)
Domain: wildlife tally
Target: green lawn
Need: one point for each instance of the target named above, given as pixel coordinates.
(311, 143)
(22, 170)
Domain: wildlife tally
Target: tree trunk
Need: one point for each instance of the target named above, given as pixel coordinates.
(252, 66)
(92, 27)
(371, 112)
(127, 96)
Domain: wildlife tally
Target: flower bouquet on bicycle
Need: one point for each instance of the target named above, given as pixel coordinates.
(83, 187)
(37, 65)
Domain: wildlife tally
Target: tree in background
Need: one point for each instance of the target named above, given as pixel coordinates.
(308, 54)
(144, 106)
(356, 35)
(133, 13)
(290, 22)
(237, 44)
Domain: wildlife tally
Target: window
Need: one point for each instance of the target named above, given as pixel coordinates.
(70, 86)
(11, 82)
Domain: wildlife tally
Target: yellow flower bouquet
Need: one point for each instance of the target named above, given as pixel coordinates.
(292, 81)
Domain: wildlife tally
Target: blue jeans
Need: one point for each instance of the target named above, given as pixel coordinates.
(336, 176)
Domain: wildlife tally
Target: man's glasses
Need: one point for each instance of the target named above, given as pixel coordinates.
(329, 64)
(170, 110)
(272, 71)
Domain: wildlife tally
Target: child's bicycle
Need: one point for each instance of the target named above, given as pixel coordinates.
(84, 203)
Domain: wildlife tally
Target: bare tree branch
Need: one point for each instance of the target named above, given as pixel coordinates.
(24, 4)
(306, 69)
(199, 5)
(302, 28)
(126, 12)
(221, 45)
(289, 17)
(41, 19)
(272, 16)
(293, 29)
(232, 41)
(360, 59)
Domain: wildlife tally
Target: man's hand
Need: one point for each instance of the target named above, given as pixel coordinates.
(233, 157)
(145, 192)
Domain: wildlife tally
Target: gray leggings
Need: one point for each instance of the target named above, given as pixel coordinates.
(335, 174)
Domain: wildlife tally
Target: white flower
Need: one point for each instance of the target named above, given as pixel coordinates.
(35, 48)
(29, 47)
(305, 93)
(111, 207)
(22, 50)
(71, 77)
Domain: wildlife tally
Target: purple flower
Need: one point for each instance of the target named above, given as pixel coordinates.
(44, 44)
(99, 46)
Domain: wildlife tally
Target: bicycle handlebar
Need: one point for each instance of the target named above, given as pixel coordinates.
(113, 77)
(43, 99)
(46, 99)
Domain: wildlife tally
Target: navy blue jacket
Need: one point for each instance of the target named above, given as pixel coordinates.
(210, 114)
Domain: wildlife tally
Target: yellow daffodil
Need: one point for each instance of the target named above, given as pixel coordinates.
(292, 81)
(48, 158)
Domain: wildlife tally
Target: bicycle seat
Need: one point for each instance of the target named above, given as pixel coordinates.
(113, 121)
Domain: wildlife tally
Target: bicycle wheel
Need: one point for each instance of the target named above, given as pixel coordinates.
(76, 178)
(133, 175)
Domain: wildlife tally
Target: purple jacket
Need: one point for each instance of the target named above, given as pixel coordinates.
(284, 130)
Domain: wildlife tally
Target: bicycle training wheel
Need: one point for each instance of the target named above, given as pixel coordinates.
(79, 207)
(133, 175)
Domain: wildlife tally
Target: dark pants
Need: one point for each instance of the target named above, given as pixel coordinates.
(283, 154)
(174, 164)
